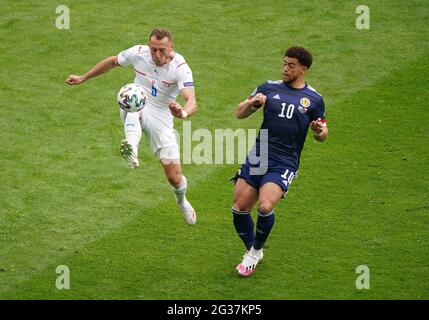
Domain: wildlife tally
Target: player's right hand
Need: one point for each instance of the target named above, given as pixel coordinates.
(175, 109)
(258, 100)
(74, 79)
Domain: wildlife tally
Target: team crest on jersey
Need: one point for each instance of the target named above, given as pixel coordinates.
(305, 102)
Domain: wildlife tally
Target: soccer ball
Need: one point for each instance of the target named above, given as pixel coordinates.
(131, 97)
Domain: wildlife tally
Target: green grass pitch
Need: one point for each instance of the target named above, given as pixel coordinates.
(68, 198)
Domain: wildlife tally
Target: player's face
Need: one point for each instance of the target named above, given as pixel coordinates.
(292, 70)
(160, 50)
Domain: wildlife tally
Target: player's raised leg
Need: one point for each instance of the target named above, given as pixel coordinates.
(133, 133)
(178, 182)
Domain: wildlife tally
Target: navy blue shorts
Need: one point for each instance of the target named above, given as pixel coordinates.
(279, 174)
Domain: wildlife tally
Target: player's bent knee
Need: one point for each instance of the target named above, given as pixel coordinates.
(240, 207)
(174, 179)
(241, 204)
(265, 206)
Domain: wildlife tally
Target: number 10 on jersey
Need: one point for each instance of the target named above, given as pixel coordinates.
(289, 111)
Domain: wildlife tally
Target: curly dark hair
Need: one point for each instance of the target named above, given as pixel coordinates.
(301, 54)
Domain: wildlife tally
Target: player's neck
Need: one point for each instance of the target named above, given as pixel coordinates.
(297, 84)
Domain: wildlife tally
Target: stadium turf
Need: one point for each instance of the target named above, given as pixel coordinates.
(68, 198)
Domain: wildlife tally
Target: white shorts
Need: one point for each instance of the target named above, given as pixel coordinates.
(158, 129)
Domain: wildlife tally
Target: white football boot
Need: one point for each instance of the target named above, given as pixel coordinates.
(129, 154)
(188, 212)
(250, 260)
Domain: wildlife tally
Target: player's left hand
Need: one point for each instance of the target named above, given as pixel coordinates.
(176, 109)
(317, 125)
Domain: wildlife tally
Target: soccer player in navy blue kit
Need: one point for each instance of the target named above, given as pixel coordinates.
(290, 108)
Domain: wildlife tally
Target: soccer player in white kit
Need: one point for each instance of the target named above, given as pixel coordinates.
(163, 73)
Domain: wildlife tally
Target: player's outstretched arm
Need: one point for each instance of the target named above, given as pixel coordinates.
(320, 130)
(190, 106)
(100, 68)
(247, 107)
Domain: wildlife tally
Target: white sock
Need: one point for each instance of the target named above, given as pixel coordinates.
(133, 130)
(180, 191)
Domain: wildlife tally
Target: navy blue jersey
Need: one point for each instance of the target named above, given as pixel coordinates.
(288, 113)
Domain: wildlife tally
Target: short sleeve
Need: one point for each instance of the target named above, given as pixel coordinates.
(128, 56)
(184, 76)
(319, 111)
(260, 89)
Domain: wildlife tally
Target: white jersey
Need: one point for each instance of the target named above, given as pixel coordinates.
(160, 83)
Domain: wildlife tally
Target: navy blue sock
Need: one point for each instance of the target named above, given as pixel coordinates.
(243, 223)
(263, 228)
